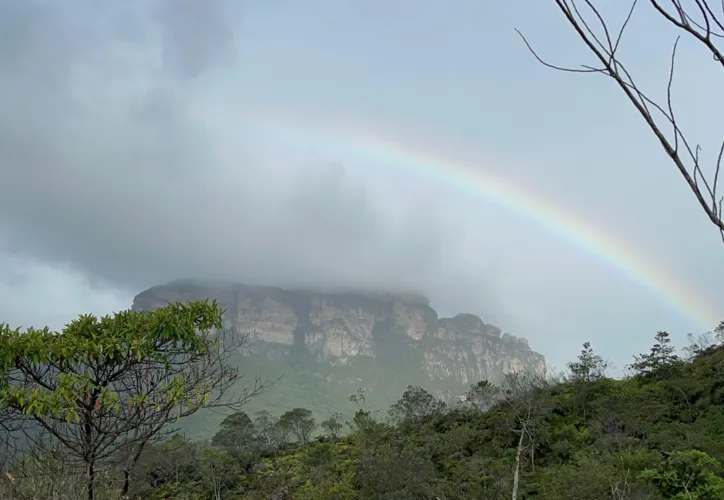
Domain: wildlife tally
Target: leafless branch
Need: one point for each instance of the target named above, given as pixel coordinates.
(707, 29)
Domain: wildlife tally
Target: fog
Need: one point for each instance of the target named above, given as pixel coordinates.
(143, 142)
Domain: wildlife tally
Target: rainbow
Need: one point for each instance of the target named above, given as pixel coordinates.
(684, 298)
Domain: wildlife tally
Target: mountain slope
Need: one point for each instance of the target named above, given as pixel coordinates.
(329, 344)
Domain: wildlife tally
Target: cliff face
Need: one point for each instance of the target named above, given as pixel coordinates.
(346, 327)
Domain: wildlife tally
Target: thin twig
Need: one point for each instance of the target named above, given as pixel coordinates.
(605, 49)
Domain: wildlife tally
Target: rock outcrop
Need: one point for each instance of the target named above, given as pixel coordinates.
(341, 328)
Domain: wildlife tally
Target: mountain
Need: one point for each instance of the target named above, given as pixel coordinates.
(327, 344)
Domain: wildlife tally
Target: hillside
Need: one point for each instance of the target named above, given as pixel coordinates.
(95, 402)
(657, 435)
(327, 344)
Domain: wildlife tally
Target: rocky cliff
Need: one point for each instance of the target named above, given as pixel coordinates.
(395, 332)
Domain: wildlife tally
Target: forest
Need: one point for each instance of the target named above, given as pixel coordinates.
(93, 412)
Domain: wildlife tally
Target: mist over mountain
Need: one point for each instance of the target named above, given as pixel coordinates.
(326, 344)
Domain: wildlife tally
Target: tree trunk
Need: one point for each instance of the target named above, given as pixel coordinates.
(532, 453)
(91, 478)
(516, 474)
(128, 469)
(89, 460)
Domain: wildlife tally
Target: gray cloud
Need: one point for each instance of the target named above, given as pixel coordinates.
(105, 168)
(36, 294)
(196, 36)
(127, 159)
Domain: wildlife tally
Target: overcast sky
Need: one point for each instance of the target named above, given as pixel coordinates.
(146, 141)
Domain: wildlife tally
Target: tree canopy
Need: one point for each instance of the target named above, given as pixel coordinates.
(102, 389)
(656, 434)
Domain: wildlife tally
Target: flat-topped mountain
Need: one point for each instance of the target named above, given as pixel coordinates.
(341, 340)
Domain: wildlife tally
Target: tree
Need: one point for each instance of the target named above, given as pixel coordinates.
(363, 422)
(333, 425)
(697, 21)
(482, 395)
(218, 471)
(174, 461)
(237, 434)
(522, 393)
(698, 344)
(299, 422)
(661, 355)
(689, 474)
(416, 403)
(589, 367)
(268, 429)
(719, 333)
(45, 474)
(104, 388)
(360, 400)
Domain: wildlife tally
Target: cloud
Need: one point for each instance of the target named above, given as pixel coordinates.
(34, 294)
(109, 168)
(196, 36)
(127, 159)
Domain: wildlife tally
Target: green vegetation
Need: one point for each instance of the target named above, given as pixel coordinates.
(94, 397)
(656, 434)
(321, 387)
(300, 387)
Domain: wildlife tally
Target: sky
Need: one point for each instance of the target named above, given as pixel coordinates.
(147, 141)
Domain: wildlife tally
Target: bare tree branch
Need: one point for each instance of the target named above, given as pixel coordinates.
(605, 47)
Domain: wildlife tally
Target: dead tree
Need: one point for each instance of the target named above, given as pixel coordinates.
(522, 393)
(700, 20)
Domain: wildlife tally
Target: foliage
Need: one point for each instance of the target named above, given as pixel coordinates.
(482, 395)
(689, 474)
(322, 389)
(299, 422)
(661, 356)
(237, 434)
(333, 425)
(589, 367)
(416, 404)
(104, 388)
(656, 435)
